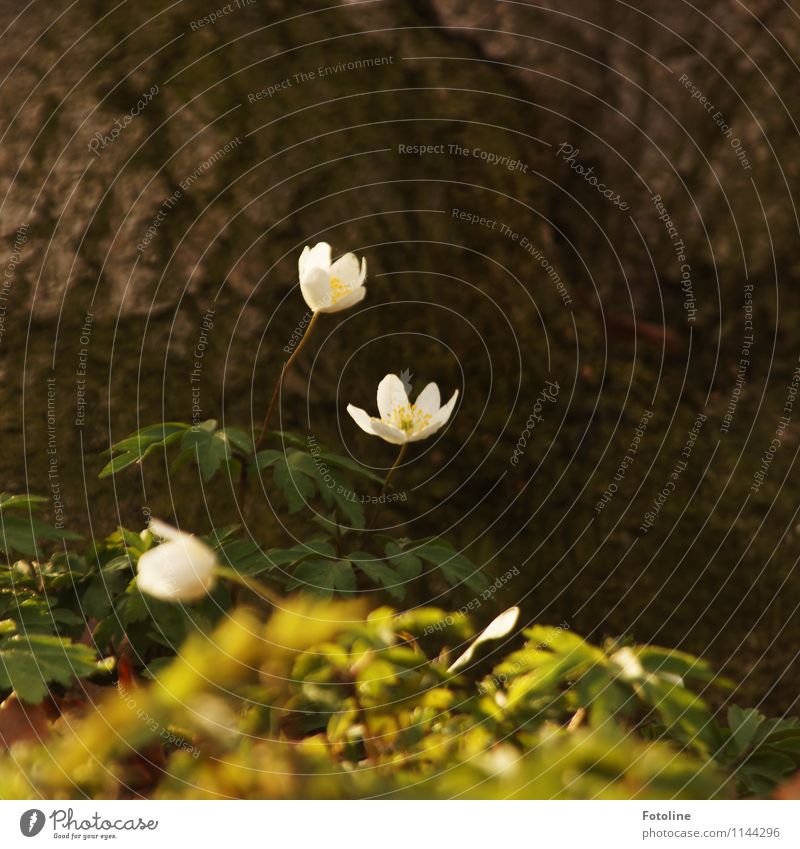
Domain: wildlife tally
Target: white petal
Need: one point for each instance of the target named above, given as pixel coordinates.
(163, 530)
(346, 269)
(361, 418)
(495, 630)
(317, 257)
(349, 300)
(499, 626)
(180, 570)
(429, 400)
(316, 289)
(444, 414)
(391, 394)
(389, 432)
(437, 422)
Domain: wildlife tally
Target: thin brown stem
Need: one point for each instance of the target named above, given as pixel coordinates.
(276, 392)
(262, 437)
(377, 511)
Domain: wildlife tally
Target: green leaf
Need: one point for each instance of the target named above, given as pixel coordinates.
(672, 662)
(773, 767)
(340, 496)
(22, 533)
(267, 458)
(408, 565)
(29, 501)
(323, 577)
(297, 485)
(246, 556)
(239, 439)
(208, 446)
(29, 663)
(456, 568)
(134, 448)
(684, 714)
(289, 437)
(744, 726)
(348, 465)
(288, 556)
(379, 573)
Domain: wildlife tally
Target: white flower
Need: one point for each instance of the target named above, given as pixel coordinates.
(498, 628)
(401, 421)
(181, 569)
(331, 288)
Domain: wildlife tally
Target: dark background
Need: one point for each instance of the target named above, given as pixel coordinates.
(454, 302)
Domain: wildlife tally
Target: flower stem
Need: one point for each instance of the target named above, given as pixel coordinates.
(262, 437)
(251, 584)
(276, 392)
(377, 511)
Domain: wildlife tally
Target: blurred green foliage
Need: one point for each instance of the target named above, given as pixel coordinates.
(318, 699)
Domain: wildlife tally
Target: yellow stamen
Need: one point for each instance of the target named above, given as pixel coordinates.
(338, 290)
(408, 417)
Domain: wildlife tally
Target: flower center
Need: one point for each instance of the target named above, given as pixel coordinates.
(409, 417)
(338, 290)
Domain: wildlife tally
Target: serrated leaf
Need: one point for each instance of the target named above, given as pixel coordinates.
(408, 565)
(326, 576)
(348, 465)
(339, 496)
(137, 446)
(209, 447)
(296, 485)
(239, 439)
(455, 567)
(22, 534)
(744, 726)
(265, 459)
(29, 663)
(379, 573)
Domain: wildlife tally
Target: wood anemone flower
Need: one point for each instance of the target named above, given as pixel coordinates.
(400, 421)
(180, 569)
(331, 287)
